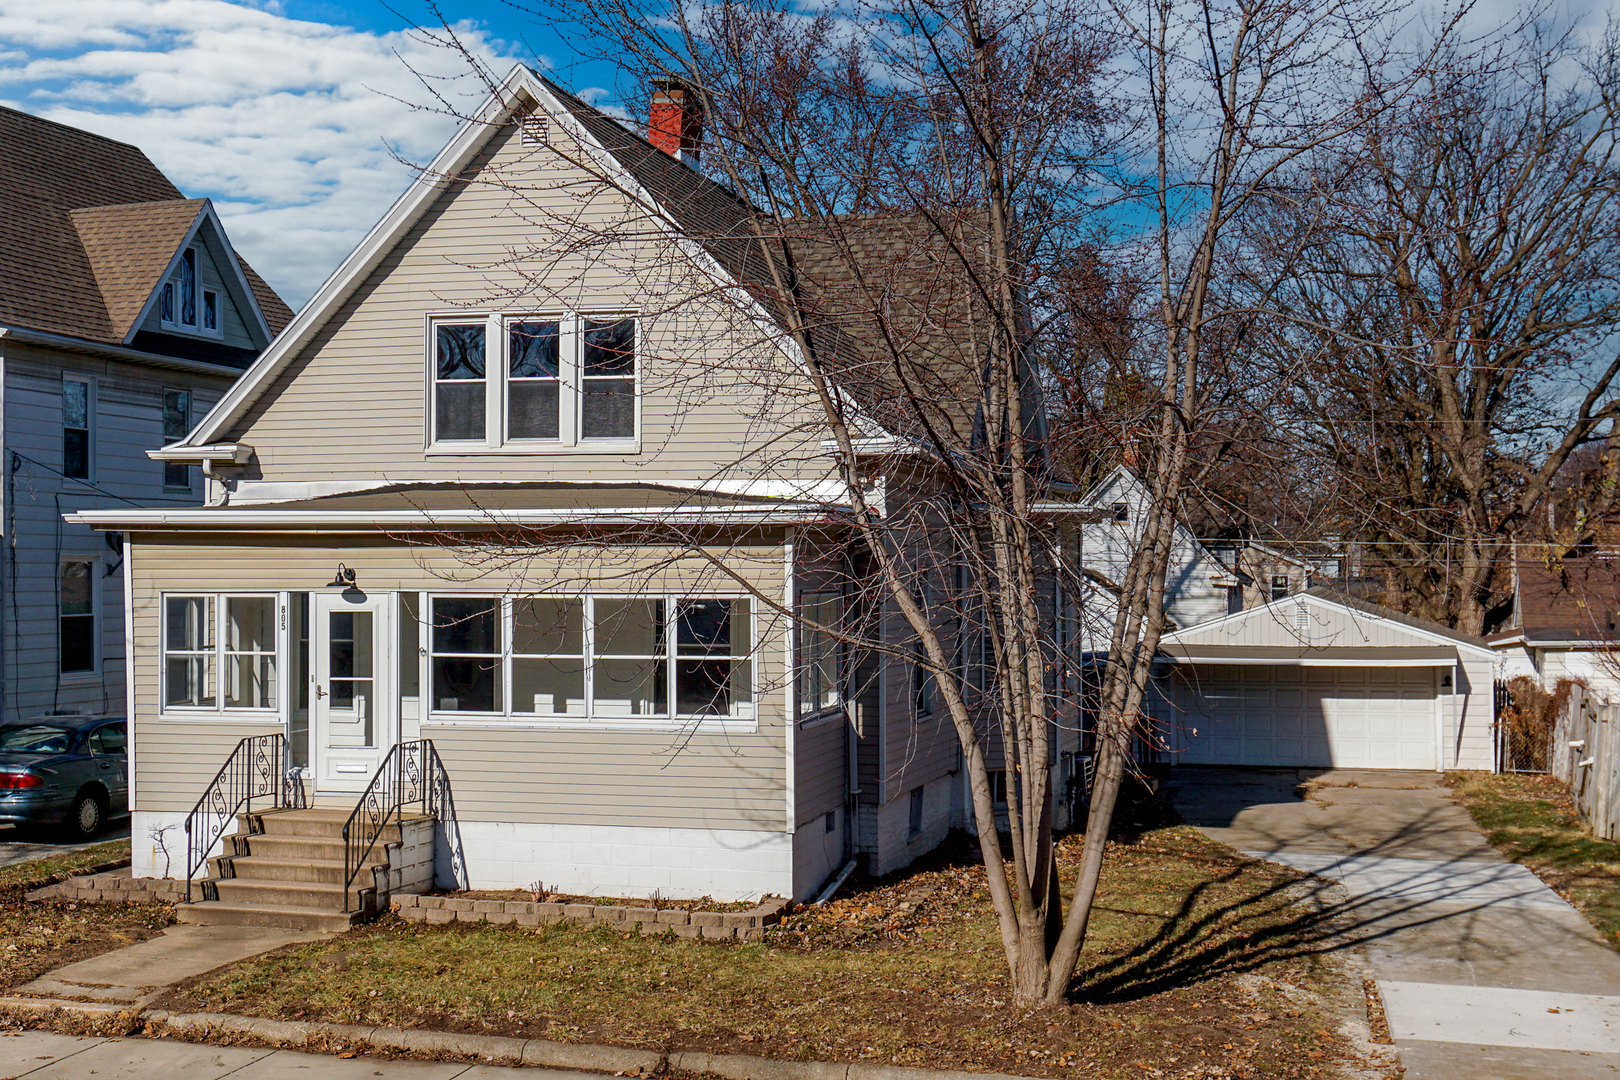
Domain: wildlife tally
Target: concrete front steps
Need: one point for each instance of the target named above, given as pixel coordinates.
(284, 868)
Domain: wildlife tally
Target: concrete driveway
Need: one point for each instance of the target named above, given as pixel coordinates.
(23, 846)
(1484, 971)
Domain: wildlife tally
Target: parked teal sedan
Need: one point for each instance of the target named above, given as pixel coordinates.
(67, 771)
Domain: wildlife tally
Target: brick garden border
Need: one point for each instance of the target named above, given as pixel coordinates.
(113, 889)
(747, 925)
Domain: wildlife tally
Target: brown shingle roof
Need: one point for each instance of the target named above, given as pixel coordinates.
(87, 226)
(129, 248)
(906, 276)
(1573, 599)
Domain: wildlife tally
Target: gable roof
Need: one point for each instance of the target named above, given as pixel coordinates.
(719, 224)
(67, 266)
(1224, 636)
(1570, 600)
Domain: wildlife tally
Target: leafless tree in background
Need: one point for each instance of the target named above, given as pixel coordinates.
(1461, 276)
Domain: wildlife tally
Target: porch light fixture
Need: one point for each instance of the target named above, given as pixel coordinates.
(343, 579)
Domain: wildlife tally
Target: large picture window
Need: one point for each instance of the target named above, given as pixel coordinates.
(529, 382)
(635, 659)
(221, 652)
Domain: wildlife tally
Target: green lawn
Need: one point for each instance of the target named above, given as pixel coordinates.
(1530, 819)
(1182, 928)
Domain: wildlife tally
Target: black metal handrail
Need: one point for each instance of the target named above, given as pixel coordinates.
(410, 773)
(256, 769)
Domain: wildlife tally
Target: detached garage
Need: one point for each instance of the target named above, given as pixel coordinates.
(1317, 680)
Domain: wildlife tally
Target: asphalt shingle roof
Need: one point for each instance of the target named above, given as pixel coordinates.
(87, 226)
(853, 273)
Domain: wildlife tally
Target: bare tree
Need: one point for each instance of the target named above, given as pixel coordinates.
(912, 187)
(1460, 279)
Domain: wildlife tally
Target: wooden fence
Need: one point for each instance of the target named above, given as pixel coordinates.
(1585, 754)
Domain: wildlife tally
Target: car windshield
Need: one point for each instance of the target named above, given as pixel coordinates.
(35, 739)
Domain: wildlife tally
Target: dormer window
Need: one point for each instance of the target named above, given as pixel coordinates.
(184, 303)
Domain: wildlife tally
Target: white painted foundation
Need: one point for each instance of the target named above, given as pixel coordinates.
(610, 860)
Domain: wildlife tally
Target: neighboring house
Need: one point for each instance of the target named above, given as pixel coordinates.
(124, 315)
(1318, 679)
(1565, 622)
(1198, 587)
(506, 488)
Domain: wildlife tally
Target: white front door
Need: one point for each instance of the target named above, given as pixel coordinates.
(351, 694)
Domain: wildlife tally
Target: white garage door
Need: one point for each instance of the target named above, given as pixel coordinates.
(1353, 718)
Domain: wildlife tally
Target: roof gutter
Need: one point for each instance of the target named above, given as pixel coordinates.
(430, 520)
(116, 352)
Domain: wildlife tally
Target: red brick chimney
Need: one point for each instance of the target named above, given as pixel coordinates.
(675, 120)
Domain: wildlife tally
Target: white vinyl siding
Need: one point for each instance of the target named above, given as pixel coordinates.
(702, 416)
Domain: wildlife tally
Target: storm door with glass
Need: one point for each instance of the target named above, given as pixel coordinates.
(352, 690)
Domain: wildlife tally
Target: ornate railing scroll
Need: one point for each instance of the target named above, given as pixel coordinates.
(411, 773)
(256, 769)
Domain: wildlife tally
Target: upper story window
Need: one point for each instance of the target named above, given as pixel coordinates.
(78, 426)
(185, 303)
(176, 424)
(534, 382)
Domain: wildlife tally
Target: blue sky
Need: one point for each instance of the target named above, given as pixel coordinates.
(292, 115)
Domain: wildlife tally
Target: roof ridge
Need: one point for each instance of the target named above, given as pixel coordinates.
(570, 98)
(70, 127)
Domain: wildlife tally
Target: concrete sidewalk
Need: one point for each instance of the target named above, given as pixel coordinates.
(1484, 971)
(39, 1055)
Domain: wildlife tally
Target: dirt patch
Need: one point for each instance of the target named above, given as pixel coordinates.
(42, 935)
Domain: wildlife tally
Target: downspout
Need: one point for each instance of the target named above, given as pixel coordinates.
(789, 589)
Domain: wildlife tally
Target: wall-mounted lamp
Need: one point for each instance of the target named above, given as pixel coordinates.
(343, 579)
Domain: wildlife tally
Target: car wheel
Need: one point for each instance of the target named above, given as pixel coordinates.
(87, 816)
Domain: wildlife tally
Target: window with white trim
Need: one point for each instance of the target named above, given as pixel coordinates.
(819, 681)
(221, 652)
(533, 382)
(77, 652)
(653, 659)
(78, 426)
(176, 426)
(183, 302)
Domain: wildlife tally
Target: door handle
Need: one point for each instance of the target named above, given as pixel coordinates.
(319, 693)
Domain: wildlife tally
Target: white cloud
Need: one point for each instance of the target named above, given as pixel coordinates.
(291, 127)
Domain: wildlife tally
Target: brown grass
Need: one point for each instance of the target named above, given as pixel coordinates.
(42, 935)
(1190, 971)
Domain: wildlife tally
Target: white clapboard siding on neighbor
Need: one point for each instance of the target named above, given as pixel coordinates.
(128, 402)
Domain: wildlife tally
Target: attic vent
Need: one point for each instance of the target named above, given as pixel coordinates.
(1302, 616)
(536, 129)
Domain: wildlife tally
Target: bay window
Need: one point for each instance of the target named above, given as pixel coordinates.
(221, 653)
(532, 383)
(636, 659)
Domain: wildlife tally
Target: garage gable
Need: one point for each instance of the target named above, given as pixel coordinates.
(1317, 627)
(1320, 680)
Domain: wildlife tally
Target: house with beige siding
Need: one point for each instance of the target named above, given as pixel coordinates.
(125, 313)
(513, 523)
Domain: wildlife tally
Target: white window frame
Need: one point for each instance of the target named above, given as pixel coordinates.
(163, 416)
(267, 713)
(497, 362)
(96, 658)
(810, 711)
(90, 438)
(171, 287)
(744, 722)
